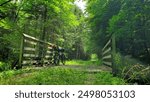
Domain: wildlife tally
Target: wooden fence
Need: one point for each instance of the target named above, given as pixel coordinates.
(108, 53)
(34, 51)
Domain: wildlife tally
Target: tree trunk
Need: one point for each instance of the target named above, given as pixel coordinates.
(42, 47)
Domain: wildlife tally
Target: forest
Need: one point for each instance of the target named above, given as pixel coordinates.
(82, 33)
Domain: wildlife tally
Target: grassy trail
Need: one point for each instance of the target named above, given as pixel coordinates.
(73, 73)
(91, 70)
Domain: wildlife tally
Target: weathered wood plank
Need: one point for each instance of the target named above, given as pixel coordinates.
(29, 49)
(50, 48)
(30, 42)
(25, 62)
(30, 55)
(47, 60)
(107, 63)
(37, 40)
(109, 41)
(107, 57)
(49, 52)
(21, 52)
(108, 50)
(48, 56)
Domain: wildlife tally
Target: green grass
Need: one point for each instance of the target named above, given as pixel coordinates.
(85, 63)
(48, 76)
(56, 76)
(105, 78)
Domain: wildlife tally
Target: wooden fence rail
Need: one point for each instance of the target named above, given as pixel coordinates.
(34, 51)
(108, 53)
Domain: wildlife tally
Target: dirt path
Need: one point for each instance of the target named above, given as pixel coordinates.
(91, 70)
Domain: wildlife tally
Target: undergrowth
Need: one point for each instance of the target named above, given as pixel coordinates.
(132, 70)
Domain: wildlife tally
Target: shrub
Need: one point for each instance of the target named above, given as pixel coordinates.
(118, 59)
(137, 73)
(132, 70)
(4, 66)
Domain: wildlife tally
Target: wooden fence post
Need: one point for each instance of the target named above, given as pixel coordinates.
(114, 70)
(21, 52)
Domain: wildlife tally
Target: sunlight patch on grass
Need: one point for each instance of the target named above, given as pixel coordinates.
(81, 62)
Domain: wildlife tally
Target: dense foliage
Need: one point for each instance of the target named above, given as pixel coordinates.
(129, 20)
(60, 22)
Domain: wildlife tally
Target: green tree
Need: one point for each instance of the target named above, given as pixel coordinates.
(131, 27)
(100, 12)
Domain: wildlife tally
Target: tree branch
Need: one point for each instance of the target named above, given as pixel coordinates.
(5, 2)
